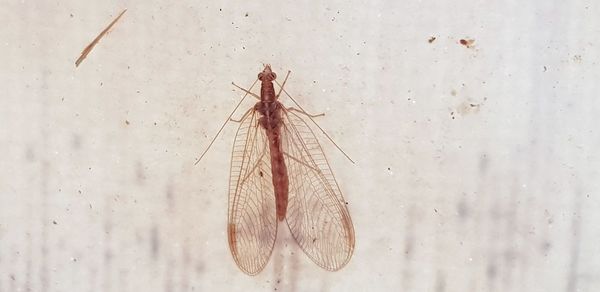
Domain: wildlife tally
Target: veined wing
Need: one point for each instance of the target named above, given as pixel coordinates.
(252, 223)
(317, 215)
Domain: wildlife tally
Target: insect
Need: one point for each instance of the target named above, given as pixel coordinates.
(279, 172)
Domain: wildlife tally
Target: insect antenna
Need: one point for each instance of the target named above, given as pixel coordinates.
(225, 123)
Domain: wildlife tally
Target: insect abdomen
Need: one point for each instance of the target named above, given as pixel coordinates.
(279, 172)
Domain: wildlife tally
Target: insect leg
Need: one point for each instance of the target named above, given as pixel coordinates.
(246, 90)
(283, 84)
(305, 113)
(315, 123)
(225, 123)
(301, 162)
(243, 116)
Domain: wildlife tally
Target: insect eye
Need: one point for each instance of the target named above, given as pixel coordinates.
(260, 76)
(273, 76)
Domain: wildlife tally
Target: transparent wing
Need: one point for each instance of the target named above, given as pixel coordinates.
(317, 215)
(252, 224)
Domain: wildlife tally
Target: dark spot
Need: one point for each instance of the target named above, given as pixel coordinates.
(12, 277)
(314, 240)
(71, 15)
(546, 245)
(389, 168)
(431, 39)
(408, 247)
(54, 222)
(467, 43)
(435, 210)
(260, 173)
(126, 122)
(545, 69)
(246, 14)
(155, 123)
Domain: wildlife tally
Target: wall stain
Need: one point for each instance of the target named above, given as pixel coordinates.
(154, 242)
(484, 164)
(170, 196)
(76, 142)
(575, 244)
(440, 282)
(462, 208)
(185, 267)
(140, 176)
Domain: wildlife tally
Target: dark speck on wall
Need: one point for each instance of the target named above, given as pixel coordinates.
(431, 39)
(467, 42)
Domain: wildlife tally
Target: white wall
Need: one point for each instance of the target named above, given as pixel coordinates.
(477, 168)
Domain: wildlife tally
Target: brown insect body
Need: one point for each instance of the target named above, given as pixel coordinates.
(270, 111)
(275, 141)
